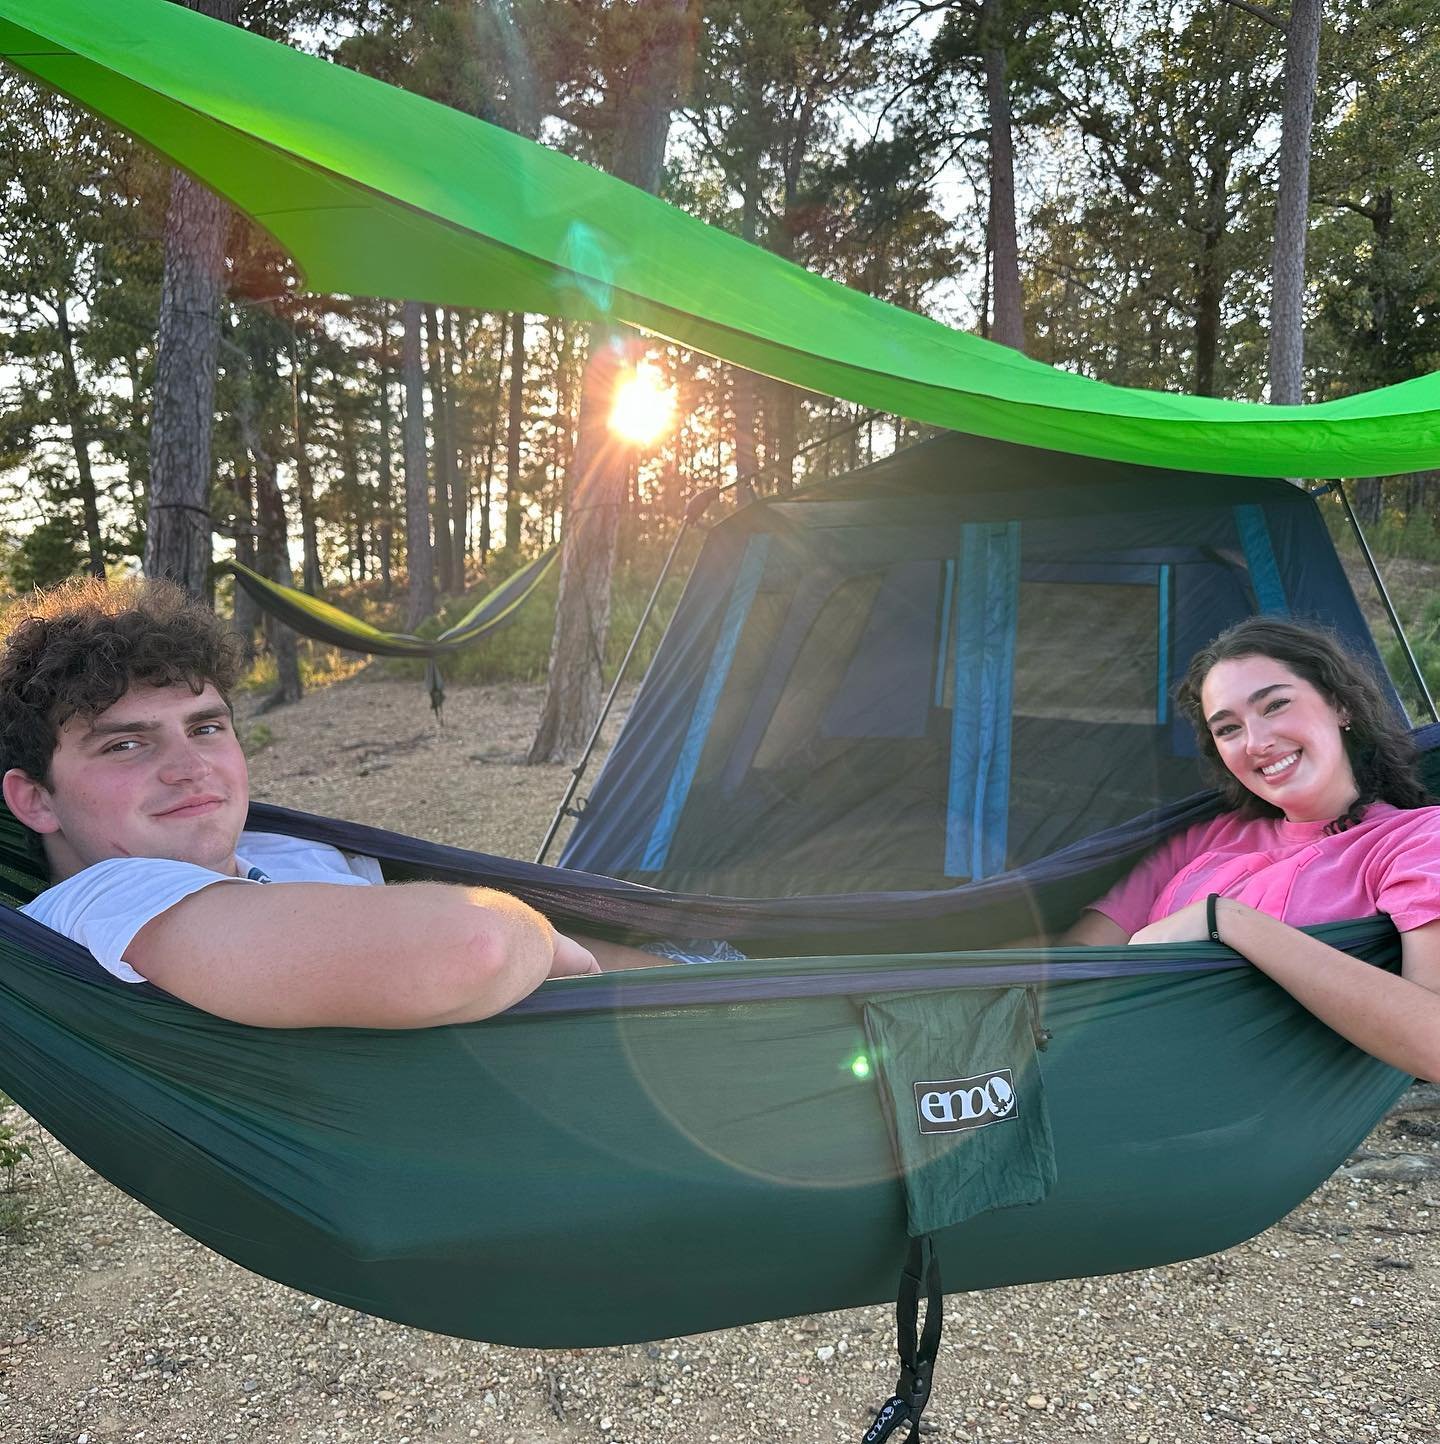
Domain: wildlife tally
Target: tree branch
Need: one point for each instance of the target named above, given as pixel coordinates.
(1344, 203)
(1263, 12)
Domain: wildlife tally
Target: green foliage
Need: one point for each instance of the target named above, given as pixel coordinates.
(1406, 546)
(256, 738)
(1401, 521)
(54, 550)
(1149, 257)
(13, 1152)
(1423, 633)
(1412, 537)
(1377, 201)
(320, 665)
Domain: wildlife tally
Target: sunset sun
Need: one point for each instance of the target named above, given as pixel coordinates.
(644, 406)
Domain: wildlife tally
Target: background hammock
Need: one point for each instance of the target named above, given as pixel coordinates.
(312, 617)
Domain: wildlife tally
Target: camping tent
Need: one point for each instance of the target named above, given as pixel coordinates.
(940, 667)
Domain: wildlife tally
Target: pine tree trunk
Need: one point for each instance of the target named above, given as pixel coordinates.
(272, 533)
(421, 603)
(304, 484)
(177, 538)
(246, 616)
(592, 523)
(136, 470)
(80, 439)
(386, 479)
(1418, 486)
(743, 392)
(492, 447)
(439, 457)
(1367, 499)
(1009, 323)
(514, 515)
(273, 561)
(783, 406)
(459, 471)
(1287, 293)
(355, 499)
(598, 467)
(1209, 280)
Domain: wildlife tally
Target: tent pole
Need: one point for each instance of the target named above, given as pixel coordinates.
(1385, 600)
(693, 512)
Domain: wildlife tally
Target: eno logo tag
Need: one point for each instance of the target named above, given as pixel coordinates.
(955, 1104)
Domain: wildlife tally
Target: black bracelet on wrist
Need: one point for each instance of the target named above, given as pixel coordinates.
(1212, 924)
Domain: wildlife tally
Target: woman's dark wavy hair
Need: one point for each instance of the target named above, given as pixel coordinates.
(78, 649)
(1378, 743)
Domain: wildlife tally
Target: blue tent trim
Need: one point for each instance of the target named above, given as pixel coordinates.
(1260, 558)
(988, 610)
(742, 598)
(1162, 646)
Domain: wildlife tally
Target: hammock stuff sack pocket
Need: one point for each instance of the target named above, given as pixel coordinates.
(964, 1099)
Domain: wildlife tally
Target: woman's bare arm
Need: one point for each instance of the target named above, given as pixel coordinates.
(1394, 1018)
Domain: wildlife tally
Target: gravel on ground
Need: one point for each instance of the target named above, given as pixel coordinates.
(114, 1326)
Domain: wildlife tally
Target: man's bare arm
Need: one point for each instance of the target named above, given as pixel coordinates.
(302, 955)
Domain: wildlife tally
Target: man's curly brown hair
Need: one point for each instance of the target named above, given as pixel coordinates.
(78, 649)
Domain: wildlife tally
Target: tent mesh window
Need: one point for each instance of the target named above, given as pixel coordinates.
(827, 729)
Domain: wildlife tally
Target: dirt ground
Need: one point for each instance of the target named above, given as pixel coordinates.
(113, 1326)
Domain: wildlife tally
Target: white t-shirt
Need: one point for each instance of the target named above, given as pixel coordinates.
(106, 904)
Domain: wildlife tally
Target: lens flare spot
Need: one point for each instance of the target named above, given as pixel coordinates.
(860, 1066)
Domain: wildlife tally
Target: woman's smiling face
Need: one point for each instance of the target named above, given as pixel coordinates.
(1280, 736)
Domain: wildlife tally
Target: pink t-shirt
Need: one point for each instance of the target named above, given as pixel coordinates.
(1388, 862)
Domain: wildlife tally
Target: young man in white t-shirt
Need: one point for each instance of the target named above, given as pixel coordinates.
(119, 752)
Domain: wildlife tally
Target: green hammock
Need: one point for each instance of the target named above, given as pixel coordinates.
(378, 192)
(644, 1154)
(312, 617)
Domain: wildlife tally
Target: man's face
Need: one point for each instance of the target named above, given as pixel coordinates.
(159, 774)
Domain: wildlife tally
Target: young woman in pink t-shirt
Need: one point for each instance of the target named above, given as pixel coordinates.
(1326, 819)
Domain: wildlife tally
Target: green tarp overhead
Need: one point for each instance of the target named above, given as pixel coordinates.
(378, 192)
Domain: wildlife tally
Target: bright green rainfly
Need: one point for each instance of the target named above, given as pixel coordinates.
(378, 192)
